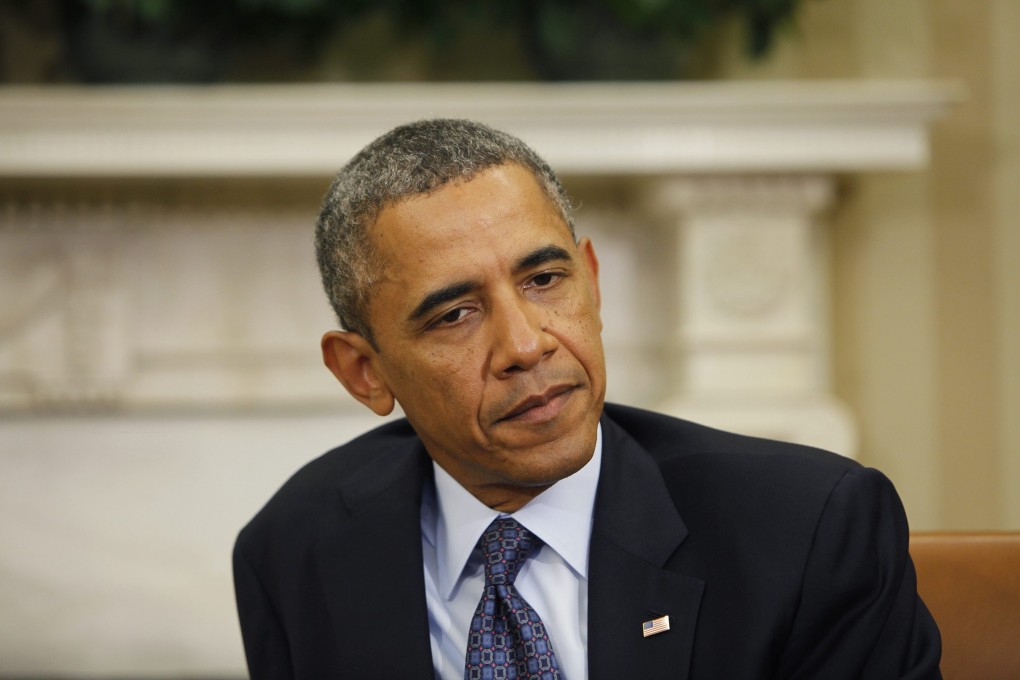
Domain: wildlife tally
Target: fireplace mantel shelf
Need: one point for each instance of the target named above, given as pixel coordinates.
(583, 129)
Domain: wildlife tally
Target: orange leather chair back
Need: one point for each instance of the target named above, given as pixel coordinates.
(971, 584)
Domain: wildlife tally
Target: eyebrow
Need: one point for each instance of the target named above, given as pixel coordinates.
(539, 256)
(441, 296)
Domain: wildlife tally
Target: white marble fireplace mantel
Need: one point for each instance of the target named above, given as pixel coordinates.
(580, 128)
(740, 171)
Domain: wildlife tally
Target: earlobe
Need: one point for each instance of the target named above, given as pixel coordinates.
(351, 359)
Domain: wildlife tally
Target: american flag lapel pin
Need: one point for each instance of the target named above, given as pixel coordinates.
(655, 626)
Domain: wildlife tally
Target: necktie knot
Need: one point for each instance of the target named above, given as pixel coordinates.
(506, 545)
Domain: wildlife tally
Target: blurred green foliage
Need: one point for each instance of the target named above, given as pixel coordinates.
(196, 40)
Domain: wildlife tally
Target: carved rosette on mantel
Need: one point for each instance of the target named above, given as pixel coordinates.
(168, 306)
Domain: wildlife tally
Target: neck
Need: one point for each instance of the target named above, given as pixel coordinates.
(505, 498)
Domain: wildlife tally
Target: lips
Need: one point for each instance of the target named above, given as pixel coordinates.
(539, 407)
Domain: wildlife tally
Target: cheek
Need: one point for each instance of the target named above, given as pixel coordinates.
(586, 338)
(443, 386)
(585, 321)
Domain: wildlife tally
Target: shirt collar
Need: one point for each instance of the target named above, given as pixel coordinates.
(453, 519)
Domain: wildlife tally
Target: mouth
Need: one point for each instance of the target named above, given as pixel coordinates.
(540, 407)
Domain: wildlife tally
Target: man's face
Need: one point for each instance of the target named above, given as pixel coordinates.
(487, 322)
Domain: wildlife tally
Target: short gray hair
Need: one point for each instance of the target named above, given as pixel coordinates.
(417, 158)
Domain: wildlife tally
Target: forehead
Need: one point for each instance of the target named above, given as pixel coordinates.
(496, 212)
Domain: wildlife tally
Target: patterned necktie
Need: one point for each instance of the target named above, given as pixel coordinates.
(507, 640)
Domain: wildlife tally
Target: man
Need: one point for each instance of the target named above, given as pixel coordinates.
(513, 527)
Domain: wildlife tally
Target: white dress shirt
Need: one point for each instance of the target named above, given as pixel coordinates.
(554, 581)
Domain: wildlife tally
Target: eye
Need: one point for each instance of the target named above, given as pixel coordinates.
(451, 317)
(544, 279)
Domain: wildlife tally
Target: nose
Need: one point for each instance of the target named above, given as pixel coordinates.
(520, 338)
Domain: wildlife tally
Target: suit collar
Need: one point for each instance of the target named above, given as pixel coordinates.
(370, 569)
(637, 528)
(634, 509)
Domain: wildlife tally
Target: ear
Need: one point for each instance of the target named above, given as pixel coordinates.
(352, 359)
(591, 263)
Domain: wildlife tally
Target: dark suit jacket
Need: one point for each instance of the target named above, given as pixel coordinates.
(771, 560)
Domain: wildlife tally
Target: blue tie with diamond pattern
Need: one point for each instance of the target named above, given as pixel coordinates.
(507, 640)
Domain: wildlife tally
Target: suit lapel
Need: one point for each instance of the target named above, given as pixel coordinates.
(371, 572)
(636, 529)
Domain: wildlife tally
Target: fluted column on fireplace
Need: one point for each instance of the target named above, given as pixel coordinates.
(751, 345)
